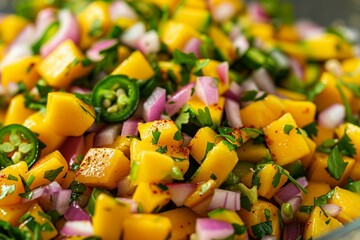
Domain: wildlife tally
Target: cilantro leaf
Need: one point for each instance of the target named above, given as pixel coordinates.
(252, 95)
(77, 189)
(200, 65)
(7, 190)
(253, 132)
(204, 117)
(262, 229)
(288, 128)
(95, 28)
(276, 179)
(12, 177)
(162, 149)
(353, 186)
(155, 137)
(311, 129)
(316, 90)
(336, 164)
(346, 147)
(230, 146)
(209, 146)
(178, 136)
(53, 173)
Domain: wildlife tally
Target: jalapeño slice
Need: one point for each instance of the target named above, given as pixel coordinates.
(117, 97)
(17, 143)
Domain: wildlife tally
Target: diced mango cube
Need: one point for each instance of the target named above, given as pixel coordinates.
(17, 112)
(349, 202)
(203, 139)
(302, 111)
(10, 27)
(12, 213)
(353, 132)
(203, 191)
(223, 43)
(251, 152)
(266, 176)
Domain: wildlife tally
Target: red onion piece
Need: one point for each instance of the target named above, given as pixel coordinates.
(222, 12)
(26, 36)
(292, 231)
(130, 127)
(61, 200)
(132, 35)
(154, 105)
(179, 98)
(72, 148)
(307, 29)
(234, 91)
(207, 229)
(290, 190)
(77, 228)
(193, 46)
(149, 42)
(180, 192)
(120, 9)
(232, 110)
(225, 199)
(296, 68)
(14, 53)
(264, 81)
(36, 193)
(107, 135)
(69, 29)
(132, 203)
(332, 209)
(81, 90)
(295, 203)
(207, 90)
(53, 187)
(241, 44)
(76, 213)
(223, 71)
(94, 53)
(186, 140)
(332, 116)
(43, 20)
(257, 12)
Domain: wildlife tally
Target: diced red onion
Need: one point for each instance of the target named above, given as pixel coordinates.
(107, 135)
(268, 237)
(292, 230)
(76, 213)
(26, 36)
(186, 140)
(132, 35)
(14, 53)
(61, 200)
(180, 192)
(241, 44)
(264, 81)
(290, 190)
(307, 29)
(295, 203)
(69, 29)
(131, 202)
(179, 98)
(296, 68)
(120, 9)
(223, 72)
(234, 91)
(232, 110)
(154, 105)
(125, 188)
(257, 12)
(222, 12)
(36, 193)
(43, 20)
(225, 199)
(193, 46)
(77, 228)
(130, 127)
(206, 90)
(77, 89)
(95, 52)
(208, 229)
(332, 209)
(249, 85)
(332, 116)
(149, 42)
(334, 66)
(53, 187)
(72, 148)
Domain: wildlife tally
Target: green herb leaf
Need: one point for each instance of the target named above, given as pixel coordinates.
(262, 229)
(230, 146)
(213, 176)
(178, 136)
(12, 177)
(346, 147)
(252, 96)
(200, 65)
(311, 129)
(162, 149)
(52, 174)
(288, 128)
(204, 117)
(253, 132)
(162, 187)
(306, 209)
(77, 189)
(316, 90)
(267, 214)
(276, 179)
(353, 186)
(95, 29)
(336, 164)
(7, 190)
(155, 137)
(239, 229)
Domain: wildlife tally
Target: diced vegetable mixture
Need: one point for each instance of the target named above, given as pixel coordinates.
(176, 119)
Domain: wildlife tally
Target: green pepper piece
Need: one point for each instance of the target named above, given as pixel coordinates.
(117, 97)
(17, 143)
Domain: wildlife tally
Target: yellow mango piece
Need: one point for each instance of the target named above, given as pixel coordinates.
(355, 171)
(204, 139)
(219, 155)
(161, 133)
(231, 217)
(67, 115)
(285, 144)
(36, 123)
(137, 146)
(251, 152)
(216, 111)
(181, 158)
(256, 216)
(261, 113)
(315, 189)
(43, 170)
(152, 167)
(263, 31)
(317, 171)
(10, 183)
(103, 167)
(306, 160)
(327, 46)
(10, 27)
(108, 208)
(223, 43)
(171, 4)
(302, 111)
(121, 143)
(319, 223)
(198, 4)
(130, 67)
(266, 176)
(349, 202)
(38, 214)
(94, 22)
(330, 95)
(17, 112)
(123, 53)
(175, 35)
(322, 135)
(146, 227)
(353, 133)
(291, 95)
(151, 197)
(183, 222)
(21, 70)
(63, 65)
(287, 33)
(12, 213)
(199, 19)
(203, 191)
(350, 65)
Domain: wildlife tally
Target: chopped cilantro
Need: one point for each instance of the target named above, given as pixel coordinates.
(199, 65)
(52, 174)
(276, 179)
(316, 90)
(253, 132)
(336, 164)
(178, 136)
(95, 28)
(209, 146)
(213, 176)
(346, 147)
(311, 129)
(239, 229)
(288, 128)
(262, 229)
(306, 209)
(204, 117)
(267, 214)
(230, 146)
(7, 190)
(155, 137)
(162, 187)
(162, 149)
(353, 186)
(12, 177)
(252, 96)
(77, 189)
